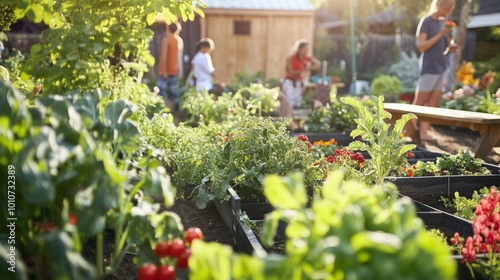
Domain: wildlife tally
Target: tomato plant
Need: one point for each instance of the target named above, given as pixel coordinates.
(148, 271)
(182, 261)
(87, 166)
(162, 249)
(166, 272)
(191, 234)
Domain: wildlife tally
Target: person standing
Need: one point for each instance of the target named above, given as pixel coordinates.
(168, 64)
(202, 64)
(434, 42)
(297, 64)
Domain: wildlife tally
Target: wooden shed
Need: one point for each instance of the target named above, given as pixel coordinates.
(255, 35)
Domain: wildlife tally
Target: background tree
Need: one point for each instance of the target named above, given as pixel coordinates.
(7, 16)
(95, 43)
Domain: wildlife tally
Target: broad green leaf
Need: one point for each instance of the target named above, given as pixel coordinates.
(64, 262)
(380, 241)
(285, 193)
(117, 112)
(332, 184)
(269, 228)
(248, 267)
(36, 48)
(400, 124)
(210, 261)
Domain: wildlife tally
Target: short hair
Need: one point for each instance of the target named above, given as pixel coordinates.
(175, 27)
(205, 43)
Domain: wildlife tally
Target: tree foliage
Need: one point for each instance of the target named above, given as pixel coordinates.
(7, 16)
(94, 43)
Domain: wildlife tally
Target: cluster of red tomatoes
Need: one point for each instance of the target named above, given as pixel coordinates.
(174, 249)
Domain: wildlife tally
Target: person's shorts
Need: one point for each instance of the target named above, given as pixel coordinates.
(431, 82)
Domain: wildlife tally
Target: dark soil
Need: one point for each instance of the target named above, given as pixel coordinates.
(208, 220)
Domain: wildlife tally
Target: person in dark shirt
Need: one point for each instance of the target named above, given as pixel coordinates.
(434, 42)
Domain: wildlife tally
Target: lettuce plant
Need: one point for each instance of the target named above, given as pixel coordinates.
(350, 231)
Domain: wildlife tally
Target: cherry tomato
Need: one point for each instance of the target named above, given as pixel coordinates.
(191, 234)
(148, 271)
(176, 248)
(182, 262)
(166, 272)
(162, 249)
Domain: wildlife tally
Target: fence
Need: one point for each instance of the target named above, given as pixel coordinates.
(22, 41)
(374, 52)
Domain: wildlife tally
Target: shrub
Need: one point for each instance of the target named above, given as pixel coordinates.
(388, 86)
(4, 74)
(406, 70)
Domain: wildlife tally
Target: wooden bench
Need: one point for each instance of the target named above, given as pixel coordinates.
(488, 125)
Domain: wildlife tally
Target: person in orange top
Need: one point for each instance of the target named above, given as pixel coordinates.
(297, 65)
(168, 65)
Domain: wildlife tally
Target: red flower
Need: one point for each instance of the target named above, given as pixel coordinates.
(72, 219)
(410, 155)
(455, 240)
(220, 133)
(410, 173)
(468, 251)
(316, 163)
(303, 137)
(309, 146)
(330, 159)
(450, 24)
(226, 139)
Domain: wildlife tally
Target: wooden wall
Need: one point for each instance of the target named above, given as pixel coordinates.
(272, 34)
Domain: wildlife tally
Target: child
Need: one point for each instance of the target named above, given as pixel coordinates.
(202, 64)
(434, 43)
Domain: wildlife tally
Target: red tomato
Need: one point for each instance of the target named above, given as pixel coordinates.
(191, 234)
(176, 248)
(162, 249)
(182, 262)
(148, 271)
(166, 272)
(72, 218)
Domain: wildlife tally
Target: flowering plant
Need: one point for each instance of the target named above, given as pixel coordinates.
(325, 147)
(486, 239)
(450, 24)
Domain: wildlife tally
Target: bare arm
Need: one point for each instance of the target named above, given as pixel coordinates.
(424, 43)
(315, 64)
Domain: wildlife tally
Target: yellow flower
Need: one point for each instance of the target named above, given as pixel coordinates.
(318, 143)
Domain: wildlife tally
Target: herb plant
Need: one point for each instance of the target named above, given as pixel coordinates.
(387, 150)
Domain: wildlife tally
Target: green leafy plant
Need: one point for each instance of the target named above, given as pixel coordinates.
(465, 206)
(463, 163)
(4, 74)
(350, 231)
(335, 116)
(388, 151)
(80, 169)
(94, 44)
(406, 70)
(205, 107)
(388, 86)
(252, 149)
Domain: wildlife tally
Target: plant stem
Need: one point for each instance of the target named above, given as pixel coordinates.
(100, 254)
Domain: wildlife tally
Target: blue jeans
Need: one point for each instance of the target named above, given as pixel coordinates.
(169, 87)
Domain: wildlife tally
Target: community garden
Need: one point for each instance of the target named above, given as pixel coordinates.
(100, 182)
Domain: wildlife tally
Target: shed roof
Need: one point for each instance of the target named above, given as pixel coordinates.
(285, 5)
